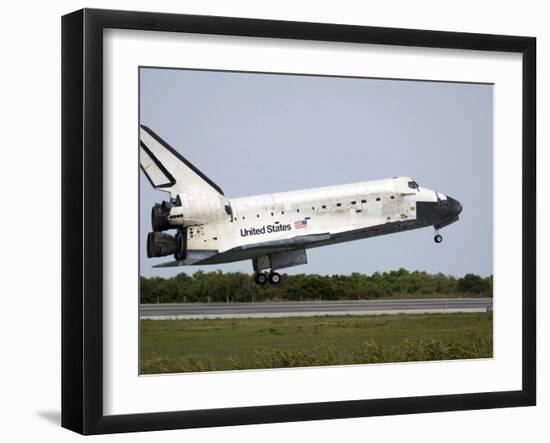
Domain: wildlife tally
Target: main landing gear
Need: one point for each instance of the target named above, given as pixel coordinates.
(261, 278)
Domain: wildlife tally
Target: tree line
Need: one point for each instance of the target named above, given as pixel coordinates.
(218, 286)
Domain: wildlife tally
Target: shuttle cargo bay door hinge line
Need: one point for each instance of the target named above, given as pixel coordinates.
(274, 230)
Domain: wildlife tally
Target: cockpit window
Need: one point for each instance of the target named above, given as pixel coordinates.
(413, 185)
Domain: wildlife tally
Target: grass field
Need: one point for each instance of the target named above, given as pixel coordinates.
(169, 346)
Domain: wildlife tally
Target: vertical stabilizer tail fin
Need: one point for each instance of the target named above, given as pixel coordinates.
(168, 170)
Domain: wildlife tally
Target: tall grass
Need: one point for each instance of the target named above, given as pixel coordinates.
(370, 351)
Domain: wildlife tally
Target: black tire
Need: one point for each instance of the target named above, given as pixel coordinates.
(260, 278)
(438, 238)
(274, 278)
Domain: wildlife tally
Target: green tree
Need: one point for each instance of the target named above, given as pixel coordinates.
(473, 284)
(221, 286)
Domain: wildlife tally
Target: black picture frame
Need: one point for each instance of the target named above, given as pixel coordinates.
(82, 190)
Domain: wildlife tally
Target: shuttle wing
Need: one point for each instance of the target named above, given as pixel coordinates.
(253, 250)
(168, 170)
(299, 241)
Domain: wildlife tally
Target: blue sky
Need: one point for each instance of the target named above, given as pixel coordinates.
(261, 133)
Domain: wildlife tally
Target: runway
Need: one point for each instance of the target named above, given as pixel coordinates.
(177, 311)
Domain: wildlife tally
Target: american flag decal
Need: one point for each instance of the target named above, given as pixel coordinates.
(300, 224)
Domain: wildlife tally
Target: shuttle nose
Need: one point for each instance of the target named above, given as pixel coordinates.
(455, 208)
(438, 213)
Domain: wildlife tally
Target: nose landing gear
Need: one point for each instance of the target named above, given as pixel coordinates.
(261, 278)
(438, 238)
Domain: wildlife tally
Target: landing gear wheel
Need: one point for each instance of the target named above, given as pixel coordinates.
(260, 278)
(438, 238)
(274, 278)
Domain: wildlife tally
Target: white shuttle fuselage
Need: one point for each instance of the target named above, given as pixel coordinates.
(274, 230)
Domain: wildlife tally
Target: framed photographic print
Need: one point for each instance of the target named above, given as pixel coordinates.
(269, 221)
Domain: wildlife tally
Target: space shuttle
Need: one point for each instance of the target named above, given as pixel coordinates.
(199, 225)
